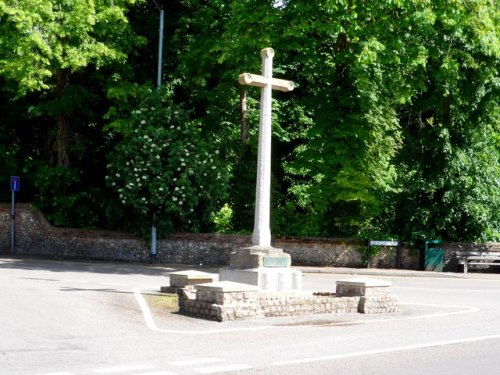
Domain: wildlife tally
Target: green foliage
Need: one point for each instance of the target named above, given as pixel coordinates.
(369, 252)
(450, 163)
(61, 198)
(10, 151)
(40, 37)
(222, 219)
(164, 169)
(392, 130)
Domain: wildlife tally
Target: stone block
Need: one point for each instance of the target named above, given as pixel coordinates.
(226, 287)
(266, 279)
(361, 287)
(182, 279)
(259, 256)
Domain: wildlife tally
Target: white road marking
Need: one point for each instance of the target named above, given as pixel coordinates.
(214, 370)
(150, 323)
(158, 373)
(448, 290)
(383, 351)
(146, 312)
(111, 370)
(197, 361)
(57, 373)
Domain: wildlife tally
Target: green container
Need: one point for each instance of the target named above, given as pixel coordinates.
(433, 256)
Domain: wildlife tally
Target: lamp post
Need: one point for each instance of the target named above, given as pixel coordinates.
(153, 251)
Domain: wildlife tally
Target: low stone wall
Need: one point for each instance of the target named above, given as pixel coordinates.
(35, 236)
(249, 305)
(219, 305)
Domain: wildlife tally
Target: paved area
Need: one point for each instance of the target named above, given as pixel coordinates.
(80, 318)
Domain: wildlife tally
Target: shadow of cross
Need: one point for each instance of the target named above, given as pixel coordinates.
(262, 232)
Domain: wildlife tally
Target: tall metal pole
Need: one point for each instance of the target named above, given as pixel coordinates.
(153, 251)
(160, 47)
(13, 224)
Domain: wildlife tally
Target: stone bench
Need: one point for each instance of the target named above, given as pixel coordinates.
(183, 279)
(375, 295)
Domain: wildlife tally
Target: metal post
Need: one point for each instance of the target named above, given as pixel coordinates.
(153, 244)
(13, 224)
(398, 255)
(152, 253)
(160, 48)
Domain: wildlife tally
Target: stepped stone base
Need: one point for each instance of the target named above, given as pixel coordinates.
(226, 300)
(265, 267)
(265, 279)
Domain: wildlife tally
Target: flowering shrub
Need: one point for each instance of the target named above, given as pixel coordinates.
(165, 169)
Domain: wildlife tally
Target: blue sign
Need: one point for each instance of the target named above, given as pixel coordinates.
(15, 183)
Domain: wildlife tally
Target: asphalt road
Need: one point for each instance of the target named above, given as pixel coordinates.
(74, 318)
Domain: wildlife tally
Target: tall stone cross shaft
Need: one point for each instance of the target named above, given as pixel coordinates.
(262, 232)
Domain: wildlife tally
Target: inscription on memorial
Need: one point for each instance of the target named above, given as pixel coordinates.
(275, 262)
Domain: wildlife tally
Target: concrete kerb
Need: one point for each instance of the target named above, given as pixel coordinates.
(380, 272)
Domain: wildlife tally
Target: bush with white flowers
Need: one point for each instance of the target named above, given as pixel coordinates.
(164, 169)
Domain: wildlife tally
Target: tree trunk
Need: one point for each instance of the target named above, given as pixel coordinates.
(62, 130)
(61, 142)
(245, 137)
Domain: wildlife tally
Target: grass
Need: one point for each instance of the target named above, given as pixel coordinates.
(163, 303)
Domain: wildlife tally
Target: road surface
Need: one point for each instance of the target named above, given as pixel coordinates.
(81, 318)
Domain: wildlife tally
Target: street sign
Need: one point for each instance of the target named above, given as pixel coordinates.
(15, 183)
(384, 243)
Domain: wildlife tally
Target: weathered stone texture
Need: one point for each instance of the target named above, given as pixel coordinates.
(236, 306)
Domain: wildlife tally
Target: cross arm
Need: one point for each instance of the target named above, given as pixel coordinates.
(260, 81)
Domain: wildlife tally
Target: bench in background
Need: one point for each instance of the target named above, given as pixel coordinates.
(474, 258)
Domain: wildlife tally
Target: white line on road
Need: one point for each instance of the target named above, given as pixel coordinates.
(214, 370)
(146, 312)
(449, 289)
(57, 373)
(383, 351)
(111, 370)
(150, 323)
(197, 361)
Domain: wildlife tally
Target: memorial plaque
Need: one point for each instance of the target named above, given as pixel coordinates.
(275, 262)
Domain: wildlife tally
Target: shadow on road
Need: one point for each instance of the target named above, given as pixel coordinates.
(116, 268)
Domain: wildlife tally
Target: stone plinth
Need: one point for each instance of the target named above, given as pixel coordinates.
(265, 279)
(265, 267)
(182, 279)
(260, 256)
(361, 287)
(375, 295)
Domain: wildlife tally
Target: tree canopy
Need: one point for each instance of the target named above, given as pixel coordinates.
(393, 129)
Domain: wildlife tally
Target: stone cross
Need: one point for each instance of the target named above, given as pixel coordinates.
(262, 232)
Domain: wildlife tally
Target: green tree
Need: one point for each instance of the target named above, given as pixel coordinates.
(44, 43)
(56, 58)
(450, 167)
